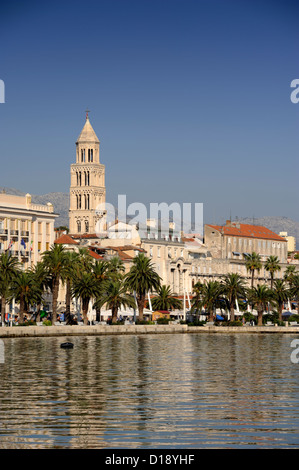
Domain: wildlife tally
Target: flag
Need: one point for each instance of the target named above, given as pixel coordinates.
(10, 244)
(23, 243)
(31, 247)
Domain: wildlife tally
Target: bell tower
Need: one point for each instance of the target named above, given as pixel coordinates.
(87, 188)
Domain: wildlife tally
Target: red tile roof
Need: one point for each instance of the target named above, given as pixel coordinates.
(65, 240)
(85, 235)
(95, 255)
(249, 231)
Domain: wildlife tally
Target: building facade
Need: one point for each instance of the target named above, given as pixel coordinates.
(291, 241)
(26, 229)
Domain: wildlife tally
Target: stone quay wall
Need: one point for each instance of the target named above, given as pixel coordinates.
(97, 330)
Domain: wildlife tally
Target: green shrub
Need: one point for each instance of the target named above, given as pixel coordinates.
(196, 323)
(163, 321)
(235, 323)
(47, 323)
(27, 323)
(294, 317)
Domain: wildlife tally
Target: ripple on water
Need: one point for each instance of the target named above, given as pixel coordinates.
(153, 391)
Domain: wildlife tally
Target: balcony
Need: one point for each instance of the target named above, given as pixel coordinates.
(24, 233)
(3, 232)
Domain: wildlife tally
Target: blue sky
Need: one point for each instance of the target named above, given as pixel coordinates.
(190, 100)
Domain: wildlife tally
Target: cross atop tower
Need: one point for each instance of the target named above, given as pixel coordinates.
(87, 111)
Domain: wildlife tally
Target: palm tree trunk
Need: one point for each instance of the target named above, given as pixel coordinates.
(114, 314)
(38, 309)
(98, 314)
(68, 302)
(272, 279)
(280, 307)
(21, 311)
(140, 303)
(252, 278)
(3, 305)
(232, 312)
(54, 300)
(260, 316)
(85, 303)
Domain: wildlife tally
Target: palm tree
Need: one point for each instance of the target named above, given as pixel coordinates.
(196, 301)
(294, 291)
(85, 258)
(142, 279)
(210, 296)
(233, 287)
(85, 287)
(114, 295)
(272, 265)
(164, 300)
(280, 294)
(101, 271)
(55, 261)
(41, 281)
(259, 297)
(72, 269)
(9, 266)
(25, 292)
(253, 263)
(116, 267)
(289, 274)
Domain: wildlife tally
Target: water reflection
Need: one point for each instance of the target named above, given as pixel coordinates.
(151, 391)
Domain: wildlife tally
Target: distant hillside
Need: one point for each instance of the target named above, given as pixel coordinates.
(276, 224)
(61, 202)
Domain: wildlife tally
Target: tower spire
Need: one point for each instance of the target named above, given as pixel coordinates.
(87, 111)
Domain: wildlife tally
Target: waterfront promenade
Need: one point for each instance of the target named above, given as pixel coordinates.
(98, 330)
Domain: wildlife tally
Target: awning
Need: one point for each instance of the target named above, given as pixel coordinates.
(236, 253)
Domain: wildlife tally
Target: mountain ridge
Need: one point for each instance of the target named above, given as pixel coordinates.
(61, 202)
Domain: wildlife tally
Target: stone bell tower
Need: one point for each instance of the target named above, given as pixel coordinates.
(87, 188)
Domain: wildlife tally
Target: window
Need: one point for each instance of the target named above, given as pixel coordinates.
(39, 246)
(159, 252)
(86, 226)
(151, 251)
(79, 226)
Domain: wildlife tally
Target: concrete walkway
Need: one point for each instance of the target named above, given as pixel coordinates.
(96, 330)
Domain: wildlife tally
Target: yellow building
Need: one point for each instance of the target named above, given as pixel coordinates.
(291, 241)
(26, 229)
